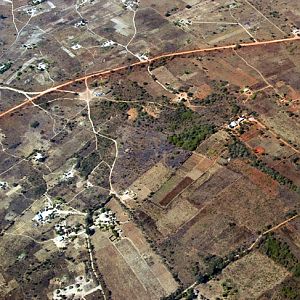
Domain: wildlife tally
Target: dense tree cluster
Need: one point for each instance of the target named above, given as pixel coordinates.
(191, 138)
(281, 253)
(238, 149)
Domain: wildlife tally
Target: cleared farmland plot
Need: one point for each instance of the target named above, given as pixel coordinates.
(248, 278)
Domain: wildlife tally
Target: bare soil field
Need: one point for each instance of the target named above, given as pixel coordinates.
(268, 185)
(290, 168)
(159, 279)
(216, 184)
(214, 146)
(115, 278)
(167, 187)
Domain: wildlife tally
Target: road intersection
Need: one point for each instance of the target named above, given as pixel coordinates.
(108, 72)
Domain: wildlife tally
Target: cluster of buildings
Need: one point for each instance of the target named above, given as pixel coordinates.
(105, 218)
(78, 290)
(296, 31)
(236, 123)
(65, 234)
(81, 23)
(3, 185)
(130, 4)
(45, 215)
(107, 44)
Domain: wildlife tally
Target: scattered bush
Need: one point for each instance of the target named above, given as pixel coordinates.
(35, 124)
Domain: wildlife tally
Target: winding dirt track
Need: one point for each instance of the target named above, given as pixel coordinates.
(139, 63)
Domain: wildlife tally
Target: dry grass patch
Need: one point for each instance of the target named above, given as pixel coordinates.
(150, 181)
(132, 114)
(248, 277)
(175, 217)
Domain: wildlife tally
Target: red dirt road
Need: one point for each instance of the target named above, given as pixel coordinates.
(151, 60)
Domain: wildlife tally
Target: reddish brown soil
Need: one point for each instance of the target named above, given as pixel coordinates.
(259, 150)
(203, 91)
(185, 182)
(251, 133)
(262, 180)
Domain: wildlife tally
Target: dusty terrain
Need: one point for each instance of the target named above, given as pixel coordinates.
(149, 149)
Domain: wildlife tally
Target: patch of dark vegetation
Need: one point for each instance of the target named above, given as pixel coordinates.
(191, 138)
(296, 162)
(214, 266)
(175, 295)
(289, 292)
(86, 165)
(4, 67)
(182, 117)
(35, 186)
(281, 253)
(89, 222)
(171, 11)
(235, 109)
(35, 124)
(128, 89)
(238, 149)
(147, 224)
(18, 204)
(14, 145)
(214, 97)
(290, 289)
(105, 106)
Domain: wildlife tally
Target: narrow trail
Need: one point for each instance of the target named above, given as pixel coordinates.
(251, 247)
(276, 136)
(140, 63)
(267, 19)
(89, 248)
(241, 25)
(274, 228)
(257, 71)
(87, 99)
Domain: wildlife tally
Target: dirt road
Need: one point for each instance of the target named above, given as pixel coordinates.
(145, 62)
